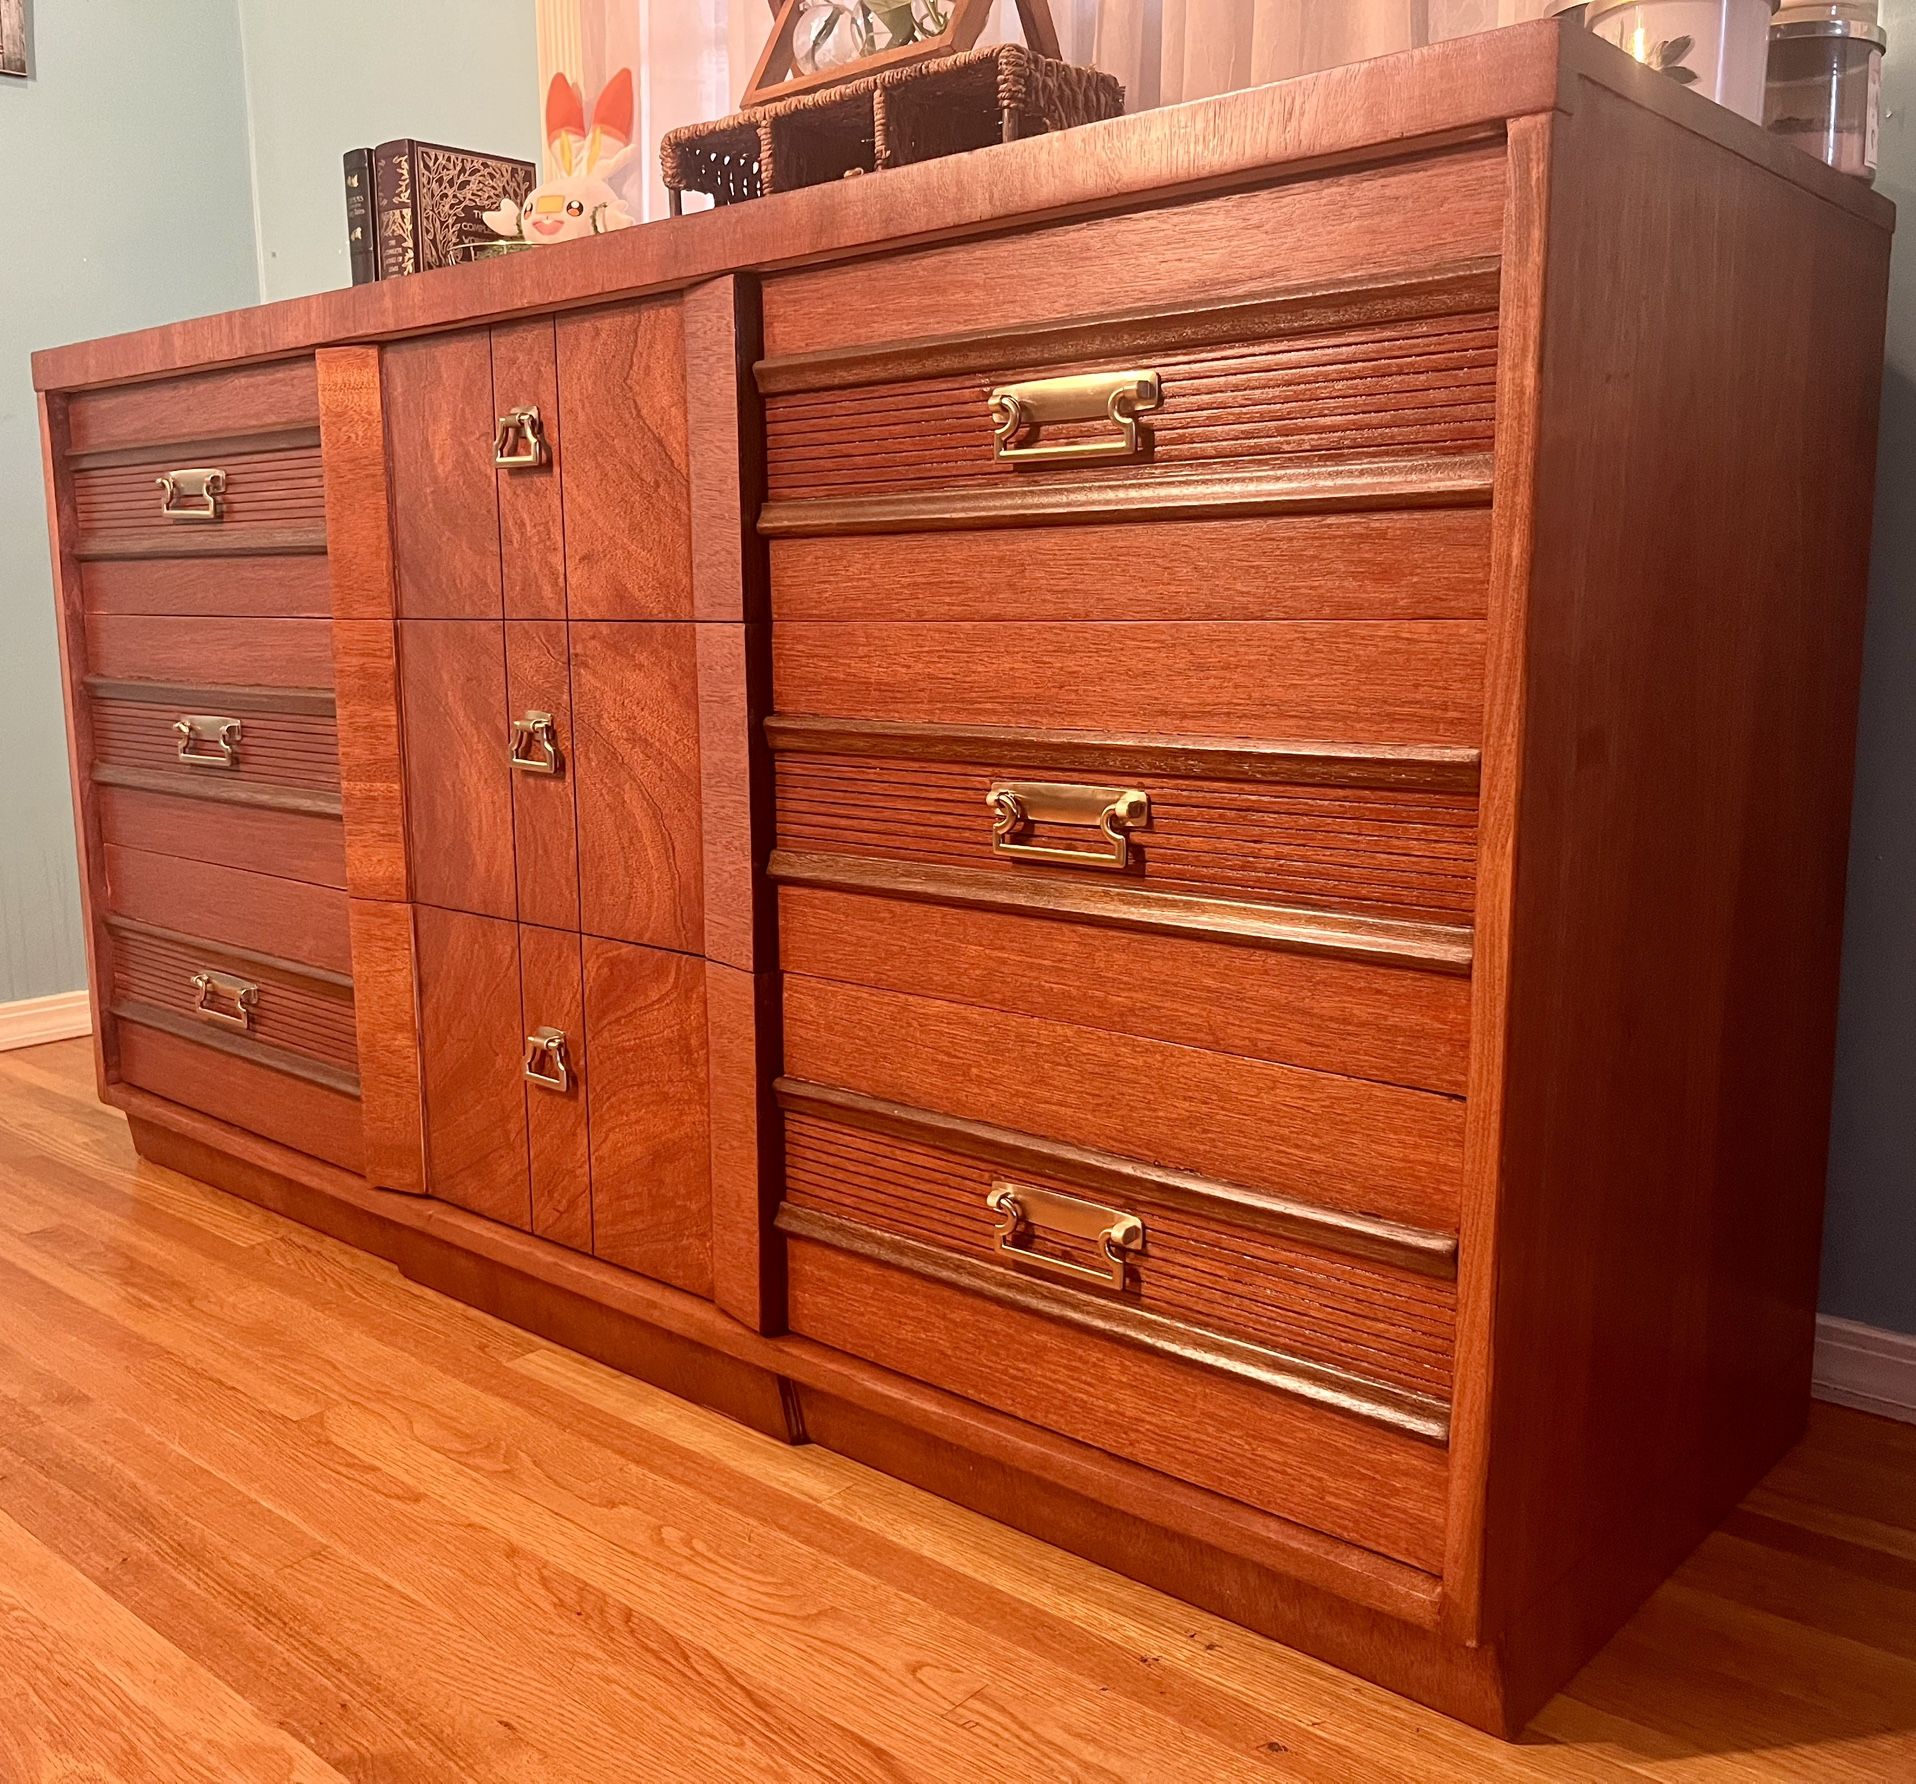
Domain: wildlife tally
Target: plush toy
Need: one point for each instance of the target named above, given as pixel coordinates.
(579, 202)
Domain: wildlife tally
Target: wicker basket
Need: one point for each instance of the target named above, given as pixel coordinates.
(885, 120)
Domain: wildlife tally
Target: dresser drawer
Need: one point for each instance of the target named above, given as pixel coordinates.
(220, 465)
(261, 1040)
(1373, 393)
(1187, 832)
(1213, 1341)
(276, 1011)
(215, 740)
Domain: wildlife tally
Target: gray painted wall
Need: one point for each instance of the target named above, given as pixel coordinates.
(464, 72)
(1869, 1254)
(128, 203)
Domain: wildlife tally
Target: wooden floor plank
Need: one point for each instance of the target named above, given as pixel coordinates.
(91, 1692)
(270, 1511)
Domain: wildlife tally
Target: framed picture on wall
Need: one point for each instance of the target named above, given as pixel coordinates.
(13, 37)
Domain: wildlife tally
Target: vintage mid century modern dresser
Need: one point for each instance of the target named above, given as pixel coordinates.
(1149, 826)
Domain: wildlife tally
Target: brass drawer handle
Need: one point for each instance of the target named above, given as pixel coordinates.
(1116, 396)
(208, 741)
(546, 1063)
(192, 496)
(1021, 1206)
(520, 442)
(220, 998)
(1114, 812)
(535, 744)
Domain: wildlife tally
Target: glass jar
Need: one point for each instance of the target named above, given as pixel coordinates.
(1825, 89)
(1718, 48)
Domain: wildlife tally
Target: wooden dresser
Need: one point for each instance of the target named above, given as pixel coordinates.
(1149, 826)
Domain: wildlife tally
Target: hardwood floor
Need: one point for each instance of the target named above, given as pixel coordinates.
(269, 1511)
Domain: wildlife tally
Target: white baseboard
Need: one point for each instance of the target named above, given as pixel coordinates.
(34, 1020)
(1860, 1366)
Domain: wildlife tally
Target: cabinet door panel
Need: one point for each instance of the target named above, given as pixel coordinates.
(651, 1179)
(636, 749)
(458, 780)
(439, 421)
(553, 996)
(472, 1043)
(544, 831)
(628, 550)
(531, 536)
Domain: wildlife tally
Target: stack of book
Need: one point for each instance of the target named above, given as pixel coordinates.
(415, 205)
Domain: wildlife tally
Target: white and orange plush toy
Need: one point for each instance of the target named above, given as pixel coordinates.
(580, 201)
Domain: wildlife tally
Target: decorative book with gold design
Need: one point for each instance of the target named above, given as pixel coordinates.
(431, 200)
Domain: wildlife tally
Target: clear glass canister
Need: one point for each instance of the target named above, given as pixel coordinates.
(1713, 47)
(1825, 89)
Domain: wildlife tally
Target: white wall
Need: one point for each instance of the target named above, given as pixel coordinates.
(322, 79)
(128, 203)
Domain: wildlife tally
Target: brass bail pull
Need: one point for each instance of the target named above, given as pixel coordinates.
(208, 741)
(192, 496)
(535, 744)
(1019, 410)
(519, 443)
(222, 999)
(545, 1059)
(1113, 812)
(1112, 1232)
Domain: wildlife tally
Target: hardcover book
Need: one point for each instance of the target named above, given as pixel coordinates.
(430, 200)
(359, 216)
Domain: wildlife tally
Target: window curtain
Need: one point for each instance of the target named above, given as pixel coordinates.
(690, 59)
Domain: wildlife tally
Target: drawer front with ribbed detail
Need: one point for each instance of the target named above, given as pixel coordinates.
(1249, 1344)
(1370, 391)
(245, 1035)
(1011, 815)
(217, 737)
(222, 465)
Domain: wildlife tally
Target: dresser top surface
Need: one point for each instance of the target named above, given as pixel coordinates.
(1466, 90)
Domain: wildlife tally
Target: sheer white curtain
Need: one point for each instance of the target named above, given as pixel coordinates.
(690, 59)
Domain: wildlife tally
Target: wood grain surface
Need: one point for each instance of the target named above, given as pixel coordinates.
(635, 750)
(472, 1042)
(545, 832)
(300, 845)
(1400, 1025)
(1318, 681)
(1414, 564)
(525, 373)
(1408, 217)
(266, 1508)
(459, 791)
(628, 552)
(552, 994)
(250, 653)
(445, 506)
(1337, 1142)
(255, 399)
(385, 961)
(246, 909)
(1672, 902)
(649, 1111)
(277, 588)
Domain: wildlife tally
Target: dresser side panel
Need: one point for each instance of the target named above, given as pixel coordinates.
(1709, 368)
